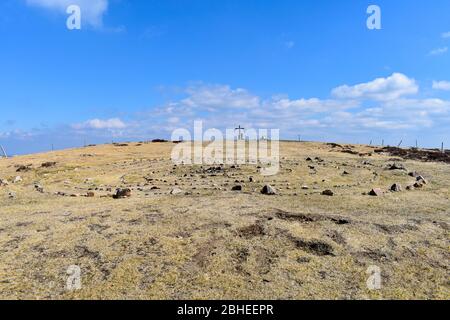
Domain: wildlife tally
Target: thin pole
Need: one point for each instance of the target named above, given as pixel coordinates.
(3, 150)
(442, 147)
(401, 141)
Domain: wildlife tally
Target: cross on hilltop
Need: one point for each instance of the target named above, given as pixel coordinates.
(240, 135)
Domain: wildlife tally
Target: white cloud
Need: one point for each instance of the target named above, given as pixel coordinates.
(381, 89)
(98, 124)
(446, 35)
(289, 44)
(92, 11)
(215, 97)
(438, 51)
(375, 108)
(310, 105)
(441, 85)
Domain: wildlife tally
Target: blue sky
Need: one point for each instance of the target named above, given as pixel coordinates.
(140, 69)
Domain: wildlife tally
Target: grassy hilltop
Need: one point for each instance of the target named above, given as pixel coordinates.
(184, 234)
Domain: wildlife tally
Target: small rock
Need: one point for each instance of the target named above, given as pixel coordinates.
(17, 179)
(23, 168)
(328, 193)
(48, 164)
(268, 190)
(396, 187)
(236, 188)
(305, 188)
(90, 194)
(396, 166)
(39, 188)
(176, 191)
(410, 188)
(421, 179)
(3, 182)
(11, 195)
(377, 192)
(418, 185)
(122, 193)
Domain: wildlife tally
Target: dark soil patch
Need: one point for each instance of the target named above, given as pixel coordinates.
(316, 247)
(393, 229)
(306, 218)
(417, 154)
(254, 230)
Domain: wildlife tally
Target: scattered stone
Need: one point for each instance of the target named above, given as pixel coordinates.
(413, 174)
(237, 188)
(176, 191)
(345, 173)
(421, 179)
(410, 188)
(39, 188)
(418, 185)
(17, 179)
(377, 192)
(396, 166)
(268, 190)
(328, 193)
(305, 188)
(11, 195)
(48, 164)
(22, 168)
(122, 193)
(303, 259)
(90, 194)
(3, 182)
(396, 187)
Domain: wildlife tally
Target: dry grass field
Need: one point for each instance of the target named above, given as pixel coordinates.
(209, 242)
